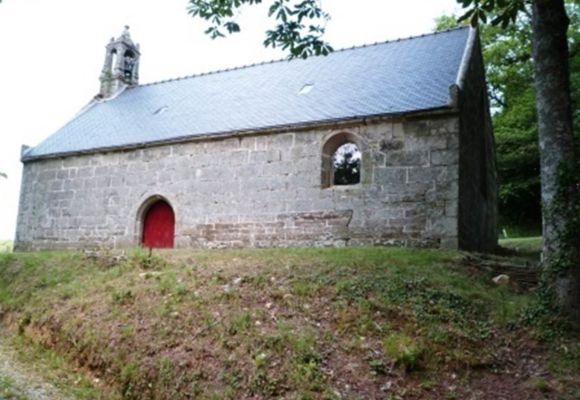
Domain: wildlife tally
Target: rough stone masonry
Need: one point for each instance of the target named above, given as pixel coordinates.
(255, 190)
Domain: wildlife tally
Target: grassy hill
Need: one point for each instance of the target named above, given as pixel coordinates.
(354, 323)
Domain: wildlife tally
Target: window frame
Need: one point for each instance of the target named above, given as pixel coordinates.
(329, 147)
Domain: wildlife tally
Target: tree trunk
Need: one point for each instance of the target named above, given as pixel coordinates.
(552, 78)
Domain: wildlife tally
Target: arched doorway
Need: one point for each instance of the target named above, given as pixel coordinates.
(158, 226)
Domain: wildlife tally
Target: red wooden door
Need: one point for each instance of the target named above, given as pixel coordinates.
(159, 226)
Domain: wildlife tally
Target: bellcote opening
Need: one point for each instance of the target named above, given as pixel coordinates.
(128, 64)
(121, 66)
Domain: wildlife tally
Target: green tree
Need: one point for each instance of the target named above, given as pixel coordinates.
(299, 26)
(559, 166)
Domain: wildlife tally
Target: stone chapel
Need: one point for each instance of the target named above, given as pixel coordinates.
(384, 144)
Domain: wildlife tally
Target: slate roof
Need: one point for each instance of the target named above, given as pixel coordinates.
(391, 78)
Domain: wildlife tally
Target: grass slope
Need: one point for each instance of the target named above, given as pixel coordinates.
(527, 245)
(354, 323)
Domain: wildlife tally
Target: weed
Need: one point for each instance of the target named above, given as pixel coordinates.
(167, 283)
(240, 324)
(232, 380)
(306, 363)
(166, 372)
(146, 259)
(128, 331)
(404, 350)
(263, 382)
(181, 290)
(122, 297)
(540, 384)
(9, 391)
(278, 341)
(129, 375)
(305, 288)
(566, 358)
(377, 367)
(24, 322)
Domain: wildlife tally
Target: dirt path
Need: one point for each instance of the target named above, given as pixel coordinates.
(20, 382)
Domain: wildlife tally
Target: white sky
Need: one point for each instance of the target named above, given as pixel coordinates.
(52, 53)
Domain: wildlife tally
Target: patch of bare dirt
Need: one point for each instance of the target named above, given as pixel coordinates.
(23, 381)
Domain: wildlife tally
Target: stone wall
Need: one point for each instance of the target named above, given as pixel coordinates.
(477, 171)
(253, 190)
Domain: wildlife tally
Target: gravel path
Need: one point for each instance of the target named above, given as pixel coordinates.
(20, 382)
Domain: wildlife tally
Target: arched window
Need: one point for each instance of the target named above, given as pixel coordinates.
(346, 165)
(158, 225)
(341, 160)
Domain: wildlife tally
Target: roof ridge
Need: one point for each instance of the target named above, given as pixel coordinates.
(246, 66)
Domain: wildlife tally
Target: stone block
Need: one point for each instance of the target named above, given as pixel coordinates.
(426, 174)
(156, 153)
(390, 176)
(407, 158)
(388, 146)
(238, 157)
(398, 130)
(85, 172)
(280, 141)
(417, 128)
(444, 157)
(47, 175)
(299, 152)
(444, 227)
(451, 208)
(308, 139)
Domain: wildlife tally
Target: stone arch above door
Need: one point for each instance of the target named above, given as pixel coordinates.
(156, 223)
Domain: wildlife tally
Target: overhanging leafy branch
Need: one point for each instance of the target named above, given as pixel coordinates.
(300, 28)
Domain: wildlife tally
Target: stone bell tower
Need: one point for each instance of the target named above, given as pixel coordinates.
(121, 66)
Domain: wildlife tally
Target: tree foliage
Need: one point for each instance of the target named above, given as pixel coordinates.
(497, 12)
(299, 28)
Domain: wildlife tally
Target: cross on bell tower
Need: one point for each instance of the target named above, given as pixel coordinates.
(121, 67)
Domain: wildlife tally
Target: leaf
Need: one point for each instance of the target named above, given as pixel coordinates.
(488, 6)
(273, 8)
(232, 27)
(465, 3)
(213, 32)
(466, 16)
